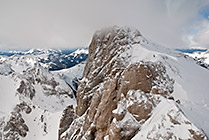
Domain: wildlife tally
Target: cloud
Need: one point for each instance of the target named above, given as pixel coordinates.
(200, 38)
(71, 23)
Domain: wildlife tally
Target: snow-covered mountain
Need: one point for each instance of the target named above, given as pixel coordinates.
(128, 88)
(32, 98)
(135, 89)
(52, 59)
(72, 75)
(201, 56)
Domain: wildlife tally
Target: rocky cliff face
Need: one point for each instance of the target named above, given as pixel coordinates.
(122, 90)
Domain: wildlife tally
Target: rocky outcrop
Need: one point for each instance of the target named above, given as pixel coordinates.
(15, 127)
(67, 118)
(5, 69)
(38, 76)
(165, 123)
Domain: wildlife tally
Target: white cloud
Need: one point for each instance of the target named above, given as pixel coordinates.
(201, 38)
(71, 23)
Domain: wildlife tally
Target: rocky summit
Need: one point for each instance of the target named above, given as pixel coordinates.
(131, 89)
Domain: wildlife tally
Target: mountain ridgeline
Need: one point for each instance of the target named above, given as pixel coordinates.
(51, 58)
(123, 87)
(131, 89)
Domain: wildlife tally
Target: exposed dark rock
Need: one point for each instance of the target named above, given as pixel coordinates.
(16, 127)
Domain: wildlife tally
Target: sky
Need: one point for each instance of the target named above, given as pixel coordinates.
(72, 23)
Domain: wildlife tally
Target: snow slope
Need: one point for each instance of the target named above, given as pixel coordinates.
(191, 80)
(201, 57)
(162, 114)
(8, 99)
(72, 75)
(32, 95)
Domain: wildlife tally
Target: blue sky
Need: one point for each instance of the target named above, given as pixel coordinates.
(198, 36)
(205, 12)
(72, 23)
(193, 31)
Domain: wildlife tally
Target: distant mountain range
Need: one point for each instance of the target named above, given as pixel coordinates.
(52, 59)
(201, 56)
